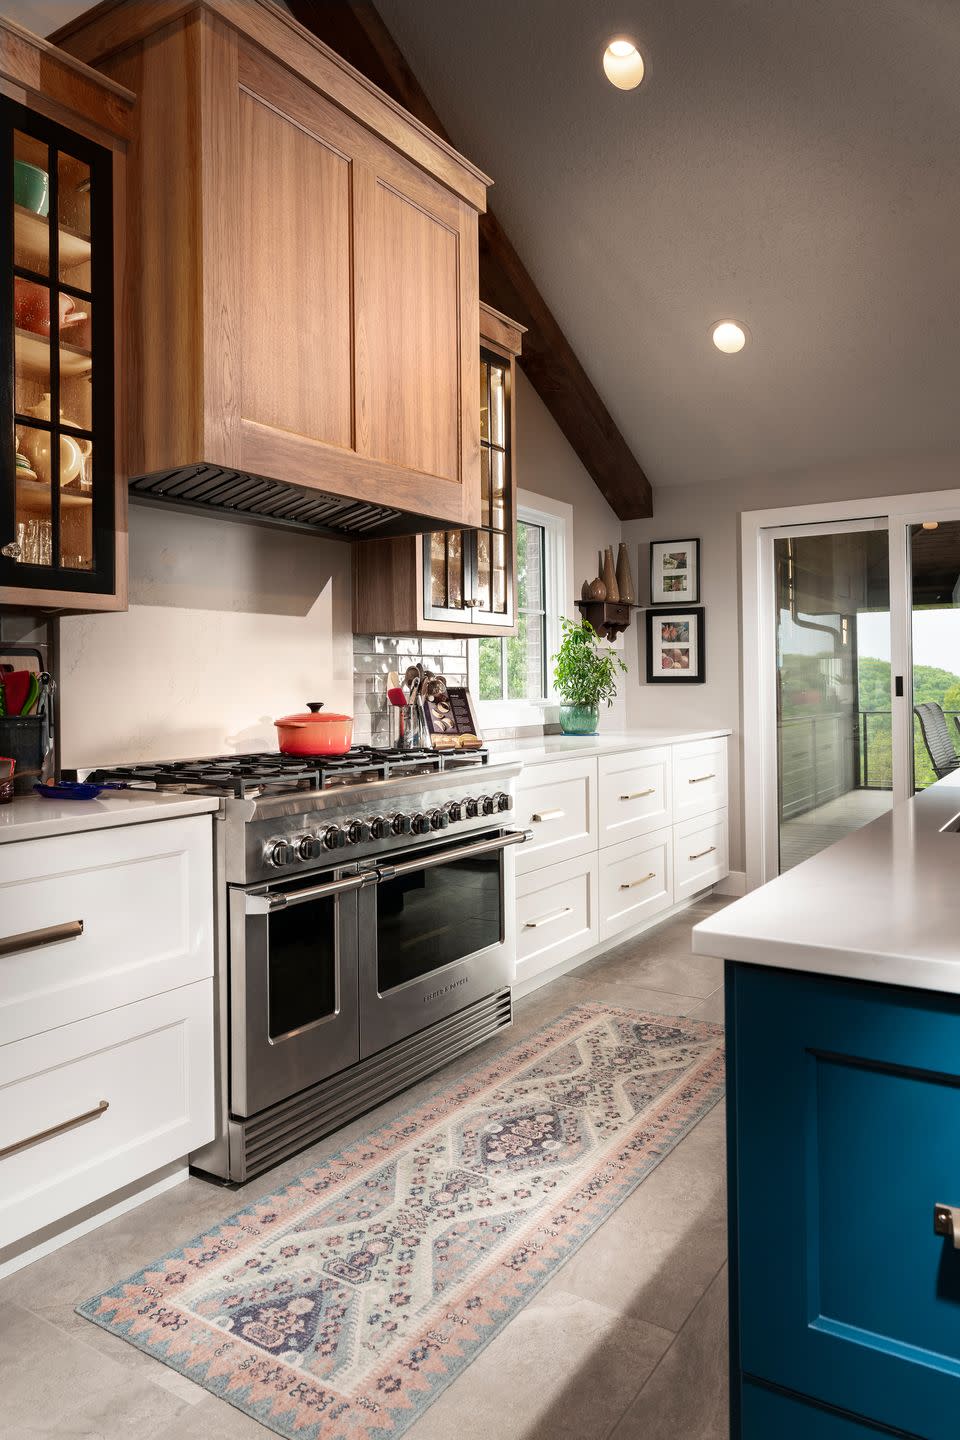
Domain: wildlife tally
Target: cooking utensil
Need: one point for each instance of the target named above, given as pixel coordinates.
(313, 733)
(6, 781)
(396, 695)
(409, 675)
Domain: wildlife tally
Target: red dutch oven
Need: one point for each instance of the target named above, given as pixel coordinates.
(314, 733)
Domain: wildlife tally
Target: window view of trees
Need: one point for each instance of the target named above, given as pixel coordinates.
(929, 683)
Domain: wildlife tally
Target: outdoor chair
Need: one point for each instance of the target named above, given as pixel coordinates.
(936, 737)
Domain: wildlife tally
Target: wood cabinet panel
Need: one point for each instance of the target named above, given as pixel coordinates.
(408, 363)
(295, 349)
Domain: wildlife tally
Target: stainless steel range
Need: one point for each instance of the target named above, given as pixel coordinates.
(364, 935)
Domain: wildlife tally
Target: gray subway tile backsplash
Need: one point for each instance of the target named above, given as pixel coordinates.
(374, 656)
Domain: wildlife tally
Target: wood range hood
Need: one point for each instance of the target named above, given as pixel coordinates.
(301, 306)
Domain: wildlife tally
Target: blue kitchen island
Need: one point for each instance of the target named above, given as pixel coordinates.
(843, 1040)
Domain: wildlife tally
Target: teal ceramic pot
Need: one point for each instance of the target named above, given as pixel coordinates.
(31, 187)
(579, 719)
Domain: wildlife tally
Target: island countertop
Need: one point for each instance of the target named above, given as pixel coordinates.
(30, 817)
(882, 904)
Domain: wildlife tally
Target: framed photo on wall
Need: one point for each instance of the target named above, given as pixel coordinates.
(676, 652)
(674, 572)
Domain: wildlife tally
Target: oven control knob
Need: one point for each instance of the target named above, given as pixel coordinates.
(308, 847)
(439, 819)
(456, 811)
(503, 801)
(380, 828)
(470, 807)
(334, 838)
(279, 852)
(421, 824)
(359, 832)
(402, 825)
(487, 805)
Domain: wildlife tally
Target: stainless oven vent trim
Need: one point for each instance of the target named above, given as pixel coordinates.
(291, 1125)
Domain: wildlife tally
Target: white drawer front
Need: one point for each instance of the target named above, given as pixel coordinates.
(636, 882)
(556, 914)
(699, 778)
(558, 802)
(700, 851)
(144, 895)
(152, 1063)
(634, 794)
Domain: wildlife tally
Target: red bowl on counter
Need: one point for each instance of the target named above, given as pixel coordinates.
(314, 732)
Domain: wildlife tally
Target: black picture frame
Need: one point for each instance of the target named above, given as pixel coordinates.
(690, 594)
(694, 646)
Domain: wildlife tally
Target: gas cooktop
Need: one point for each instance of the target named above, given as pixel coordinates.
(269, 772)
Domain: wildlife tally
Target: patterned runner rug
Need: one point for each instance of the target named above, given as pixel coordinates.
(343, 1304)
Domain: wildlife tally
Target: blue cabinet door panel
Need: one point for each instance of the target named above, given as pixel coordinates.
(770, 1416)
(846, 1133)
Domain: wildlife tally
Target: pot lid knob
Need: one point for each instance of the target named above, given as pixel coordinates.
(314, 705)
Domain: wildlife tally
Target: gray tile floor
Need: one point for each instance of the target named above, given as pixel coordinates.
(626, 1342)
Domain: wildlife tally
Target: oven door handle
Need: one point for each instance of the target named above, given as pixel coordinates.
(462, 852)
(279, 900)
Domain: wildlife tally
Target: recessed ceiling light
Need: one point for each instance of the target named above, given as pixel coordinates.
(729, 337)
(623, 64)
(931, 524)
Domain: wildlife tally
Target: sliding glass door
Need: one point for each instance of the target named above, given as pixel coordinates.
(833, 711)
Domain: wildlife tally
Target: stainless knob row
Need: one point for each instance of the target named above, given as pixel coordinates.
(281, 852)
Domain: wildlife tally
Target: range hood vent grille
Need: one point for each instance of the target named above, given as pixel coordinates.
(242, 496)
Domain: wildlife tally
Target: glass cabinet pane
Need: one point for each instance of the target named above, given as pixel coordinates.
(499, 573)
(498, 490)
(482, 584)
(62, 203)
(484, 400)
(498, 407)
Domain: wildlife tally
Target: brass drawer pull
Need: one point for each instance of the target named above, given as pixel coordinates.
(629, 884)
(34, 939)
(697, 779)
(64, 1125)
(639, 794)
(700, 853)
(546, 919)
(946, 1222)
(543, 815)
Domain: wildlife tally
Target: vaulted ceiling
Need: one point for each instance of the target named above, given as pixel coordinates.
(792, 165)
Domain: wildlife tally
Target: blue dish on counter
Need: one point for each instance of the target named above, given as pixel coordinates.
(74, 790)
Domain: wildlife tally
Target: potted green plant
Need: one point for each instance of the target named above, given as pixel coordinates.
(585, 672)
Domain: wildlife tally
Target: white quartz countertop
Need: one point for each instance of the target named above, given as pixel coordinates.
(542, 748)
(30, 817)
(881, 904)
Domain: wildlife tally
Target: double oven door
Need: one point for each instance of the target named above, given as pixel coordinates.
(333, 969)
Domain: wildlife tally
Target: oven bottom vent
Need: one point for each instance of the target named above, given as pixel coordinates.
(264, 1140)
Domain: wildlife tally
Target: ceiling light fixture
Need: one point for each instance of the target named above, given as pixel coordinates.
(729, 337)
(931, 524)
(623, 64)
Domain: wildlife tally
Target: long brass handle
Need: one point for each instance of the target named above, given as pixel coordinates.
(639, 794)
(630, 884)
(700, 853)
(546, 919)
(64, 1125)
(34, 939)
(698, 779)
(543, 815)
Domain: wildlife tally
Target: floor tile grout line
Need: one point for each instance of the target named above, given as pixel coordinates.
(610, 1434)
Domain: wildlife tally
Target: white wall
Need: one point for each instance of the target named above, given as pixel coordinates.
(712, 513)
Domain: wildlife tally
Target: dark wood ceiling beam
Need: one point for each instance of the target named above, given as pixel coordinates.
(356, 31)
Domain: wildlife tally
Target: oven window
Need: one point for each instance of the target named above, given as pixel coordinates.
(433, 917)
(303, 966)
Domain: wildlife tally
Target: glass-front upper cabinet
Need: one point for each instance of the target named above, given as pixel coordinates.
(59, 467)
(469, 574)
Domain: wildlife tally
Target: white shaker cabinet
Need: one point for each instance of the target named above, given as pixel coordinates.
(621, 836)
(106, 1014)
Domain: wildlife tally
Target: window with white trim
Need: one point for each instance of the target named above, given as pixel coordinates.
(518, 668)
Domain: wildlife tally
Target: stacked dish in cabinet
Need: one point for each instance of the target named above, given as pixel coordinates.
(620, 838)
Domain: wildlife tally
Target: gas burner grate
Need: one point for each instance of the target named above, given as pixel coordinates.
(247, 775)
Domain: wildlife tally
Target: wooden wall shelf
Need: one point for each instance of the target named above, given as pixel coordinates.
(608, 617)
